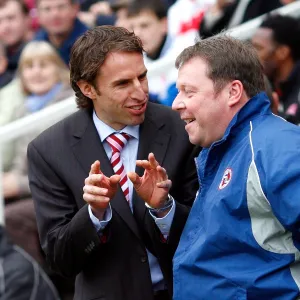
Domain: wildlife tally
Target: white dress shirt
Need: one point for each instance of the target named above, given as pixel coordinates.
(128, 156)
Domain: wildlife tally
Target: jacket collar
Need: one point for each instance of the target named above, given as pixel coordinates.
(256, 106)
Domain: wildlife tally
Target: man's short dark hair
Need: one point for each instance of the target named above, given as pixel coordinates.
(228, 59)
(286, 31)
(23, 6)
(158, 7)
(90, 51)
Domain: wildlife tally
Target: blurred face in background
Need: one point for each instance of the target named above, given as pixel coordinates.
(39, 75)
(286, 2)
(122, 18)
(150, 29)
(57, 16)
(3, 60)
(266, 49)
(14, 24)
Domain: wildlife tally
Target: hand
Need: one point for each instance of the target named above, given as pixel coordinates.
(87, 18)
(221, 4)
(99, 190)
(101, 8)
(10, 185)
(153, 187)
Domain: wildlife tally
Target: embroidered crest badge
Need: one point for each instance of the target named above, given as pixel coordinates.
(225, 179)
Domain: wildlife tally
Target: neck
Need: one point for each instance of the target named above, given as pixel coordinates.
(155, 54)
(58, 39)
(284, 72)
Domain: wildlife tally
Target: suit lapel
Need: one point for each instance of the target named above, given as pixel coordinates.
(87, 148)
(153, 138)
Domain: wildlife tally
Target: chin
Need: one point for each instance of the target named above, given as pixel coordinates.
(138, 120)
(193, 140)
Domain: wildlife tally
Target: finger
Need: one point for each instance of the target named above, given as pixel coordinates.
(95, 190)
(95, 168)
(96, 199)
(94, 179)
(167, 184)
(135, 179)
(114, 179)
(162, 173)
(153, 162)
(145, 164)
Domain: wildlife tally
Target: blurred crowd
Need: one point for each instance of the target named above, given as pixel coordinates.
(36, 37)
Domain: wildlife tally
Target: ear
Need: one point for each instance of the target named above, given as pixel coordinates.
(275, 103)
(164, 24)
(283, 52)
(236, 91)
(87, 89)
(75, 9)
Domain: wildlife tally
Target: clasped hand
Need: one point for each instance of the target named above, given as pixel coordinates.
(153, 187)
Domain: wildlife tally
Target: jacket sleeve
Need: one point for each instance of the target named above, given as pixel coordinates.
(67, 234)
(279, 171)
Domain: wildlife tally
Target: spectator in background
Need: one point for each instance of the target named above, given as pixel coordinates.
(15, 29)
(148, 20)
(226, 14)
(119, 7)
(272, 95)
(277, 41)
(5, 75)
(11, 99)
(44, 81)
(286, 2)
(31, 4)
(61, 27)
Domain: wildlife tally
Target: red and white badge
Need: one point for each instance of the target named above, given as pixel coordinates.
(225, 179)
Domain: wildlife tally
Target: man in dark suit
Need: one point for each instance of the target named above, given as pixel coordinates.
(92, 224)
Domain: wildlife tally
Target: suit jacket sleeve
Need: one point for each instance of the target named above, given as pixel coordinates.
(67, 234)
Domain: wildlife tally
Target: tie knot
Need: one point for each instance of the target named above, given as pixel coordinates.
(117, 141)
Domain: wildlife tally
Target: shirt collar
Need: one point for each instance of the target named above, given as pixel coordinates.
(104, 130)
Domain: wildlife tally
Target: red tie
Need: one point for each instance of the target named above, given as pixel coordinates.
(117, 141)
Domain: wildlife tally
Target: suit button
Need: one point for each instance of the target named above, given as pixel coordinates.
(143, 259)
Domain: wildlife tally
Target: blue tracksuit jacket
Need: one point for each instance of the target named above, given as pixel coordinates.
(241, 239)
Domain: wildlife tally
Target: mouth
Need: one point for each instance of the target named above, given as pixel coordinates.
(137, 109)
(189, 121)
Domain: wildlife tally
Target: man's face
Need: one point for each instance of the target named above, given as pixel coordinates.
(265, 46)
(122, 86)
(57, 16)
(199, 106)
(13, 24)
(149, 29)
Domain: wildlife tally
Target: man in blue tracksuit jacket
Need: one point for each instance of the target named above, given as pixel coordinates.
(242, 237)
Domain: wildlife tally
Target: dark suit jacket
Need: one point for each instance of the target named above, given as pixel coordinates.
(115, 266)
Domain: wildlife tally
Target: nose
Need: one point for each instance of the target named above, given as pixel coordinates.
(137, 31)
(139, 91)
(178, 103)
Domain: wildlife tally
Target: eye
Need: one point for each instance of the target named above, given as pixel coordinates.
(143, 76)
(123, 82)
(188, 92)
